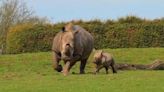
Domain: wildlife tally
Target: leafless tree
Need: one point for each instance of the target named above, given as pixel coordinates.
(13, 12)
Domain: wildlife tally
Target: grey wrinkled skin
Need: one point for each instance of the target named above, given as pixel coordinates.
(72, 44)
(104, 60)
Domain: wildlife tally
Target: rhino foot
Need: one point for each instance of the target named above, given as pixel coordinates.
(59, 68)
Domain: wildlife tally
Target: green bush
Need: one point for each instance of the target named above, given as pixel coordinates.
(125, 35)
(125, 32)
(30, 38)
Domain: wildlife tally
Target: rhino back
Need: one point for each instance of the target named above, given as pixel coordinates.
(108, 56)
(84, 40)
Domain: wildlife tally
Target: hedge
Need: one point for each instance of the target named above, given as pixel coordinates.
(124, 33)
(30, 38)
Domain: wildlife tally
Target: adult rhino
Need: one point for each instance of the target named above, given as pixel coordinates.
(72, 44)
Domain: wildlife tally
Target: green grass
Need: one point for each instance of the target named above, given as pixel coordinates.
(32, 72)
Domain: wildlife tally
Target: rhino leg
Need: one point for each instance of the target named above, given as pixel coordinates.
(106, 68)
(113, 68)
(82, 66)
(55, 63)
(66, 68)
(72, 64)
(98, 67)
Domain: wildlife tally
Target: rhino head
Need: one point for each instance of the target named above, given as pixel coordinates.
(68, 42)
(97, 57)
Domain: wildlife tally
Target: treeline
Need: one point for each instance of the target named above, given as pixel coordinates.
(126, 32)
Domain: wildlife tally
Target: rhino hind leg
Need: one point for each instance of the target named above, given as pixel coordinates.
(113, 68)
(82, 66)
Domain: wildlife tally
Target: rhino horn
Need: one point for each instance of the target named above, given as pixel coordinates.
(68, 27)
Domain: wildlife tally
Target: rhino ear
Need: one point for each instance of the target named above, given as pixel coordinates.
(94, 50)
(101, 53)
(63, 29)
(67, 27)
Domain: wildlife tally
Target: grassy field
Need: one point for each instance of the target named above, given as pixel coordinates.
(32, 72)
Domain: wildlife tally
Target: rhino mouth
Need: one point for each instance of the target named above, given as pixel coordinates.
(67, 58)
(67, 55)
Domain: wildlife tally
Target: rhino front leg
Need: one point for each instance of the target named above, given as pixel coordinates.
(98, 67)
(55, 62)
(67, 67)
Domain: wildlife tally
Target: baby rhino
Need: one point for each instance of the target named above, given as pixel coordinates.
(103, 60)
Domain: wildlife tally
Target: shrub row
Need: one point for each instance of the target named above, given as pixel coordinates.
(30, 38)
(124, 33)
